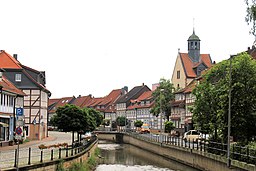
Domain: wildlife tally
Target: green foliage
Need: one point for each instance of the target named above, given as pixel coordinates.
(97, 116)
(121, 121)
(162, 96)
(69, 118)
(168, 126)
(251, 15)
(210, 110)
(106, 122)
(138, 123)
(60, 166)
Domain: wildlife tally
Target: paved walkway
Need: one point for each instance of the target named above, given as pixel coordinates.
(53, 138)
(7, 154)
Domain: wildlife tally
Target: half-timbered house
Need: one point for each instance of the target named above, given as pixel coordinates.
(32, 83)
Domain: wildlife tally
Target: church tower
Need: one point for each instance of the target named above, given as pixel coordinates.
(194, 47)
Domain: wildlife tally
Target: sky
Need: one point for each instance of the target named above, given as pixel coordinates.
(93, 47)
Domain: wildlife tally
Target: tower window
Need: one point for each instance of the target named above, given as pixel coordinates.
(178, 74)
(195, 45)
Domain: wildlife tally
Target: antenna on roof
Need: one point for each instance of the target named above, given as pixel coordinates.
(193, 25)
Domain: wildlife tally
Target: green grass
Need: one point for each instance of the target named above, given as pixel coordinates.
(89, 165)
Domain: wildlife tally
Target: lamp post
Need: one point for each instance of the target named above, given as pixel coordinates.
(161, 114)
(229, 109)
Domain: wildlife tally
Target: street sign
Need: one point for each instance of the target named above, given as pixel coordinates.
(18, 130)
(19, 111)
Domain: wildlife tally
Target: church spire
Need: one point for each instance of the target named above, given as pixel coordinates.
(194, 46)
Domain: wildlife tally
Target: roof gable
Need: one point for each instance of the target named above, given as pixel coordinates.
(7, 61)
(132, 94)
(188, 64)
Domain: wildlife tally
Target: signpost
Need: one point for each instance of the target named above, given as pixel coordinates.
(18, 131)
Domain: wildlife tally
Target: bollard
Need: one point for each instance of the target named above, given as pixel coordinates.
(59, 153)
(15, 159)
(66, 151)
(41, 160)
(52, 154)
(29, 155)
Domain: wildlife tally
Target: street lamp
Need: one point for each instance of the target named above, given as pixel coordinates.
(161, 114)
(229, 110)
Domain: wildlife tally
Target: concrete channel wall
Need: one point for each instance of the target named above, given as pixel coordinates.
(197, 159)
(66, 162)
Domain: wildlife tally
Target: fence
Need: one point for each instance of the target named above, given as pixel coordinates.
(237, 152)
(28, 156)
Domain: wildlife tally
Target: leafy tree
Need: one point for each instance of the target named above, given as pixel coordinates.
(168, 126)
(90, 123)
(98, 117)
(163, 96)
(121, 121)
(138, 123)
(251, 15)
(210, 111)
(70, 118)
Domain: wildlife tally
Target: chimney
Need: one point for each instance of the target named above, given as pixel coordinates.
(142, 84)
(15, 56)
(124, 90)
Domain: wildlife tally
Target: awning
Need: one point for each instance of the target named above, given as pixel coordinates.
(2, 124)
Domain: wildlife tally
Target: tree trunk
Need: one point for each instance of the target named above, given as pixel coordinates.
(73, 134)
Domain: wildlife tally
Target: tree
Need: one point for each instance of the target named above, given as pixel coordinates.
(121, 121)
(251, 15)
(210, 110)
(168, 126)
(138, 123)
(163, 96)
(98, 117)
(70, 118)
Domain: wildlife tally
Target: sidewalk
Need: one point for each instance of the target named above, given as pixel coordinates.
(28, 144)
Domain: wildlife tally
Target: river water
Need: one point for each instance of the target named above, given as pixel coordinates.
(125, 157)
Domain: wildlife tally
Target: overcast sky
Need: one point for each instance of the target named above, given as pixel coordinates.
(92, 47)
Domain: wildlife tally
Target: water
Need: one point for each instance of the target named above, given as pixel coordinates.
(125, 157)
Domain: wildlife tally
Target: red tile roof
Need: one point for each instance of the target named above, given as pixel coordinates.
(189, 65)
(82, 101)
(95, 101)
(147, 95)
(8, 86)
(64, 100)
(52, 101)
(111, 97)
(7, 61)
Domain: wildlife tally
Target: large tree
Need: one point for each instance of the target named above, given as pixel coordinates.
(70, 118)
(163, 96)
(210, 111)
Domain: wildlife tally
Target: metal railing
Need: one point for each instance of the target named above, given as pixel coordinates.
(237, 152)
(28, 156)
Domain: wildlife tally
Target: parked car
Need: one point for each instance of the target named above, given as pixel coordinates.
(144, 129)
(192, 135)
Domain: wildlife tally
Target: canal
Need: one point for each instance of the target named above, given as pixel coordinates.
(125, 157)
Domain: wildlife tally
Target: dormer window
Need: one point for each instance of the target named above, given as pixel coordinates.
(18, 77)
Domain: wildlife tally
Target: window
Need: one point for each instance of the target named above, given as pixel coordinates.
(178, 74)
(18, 77)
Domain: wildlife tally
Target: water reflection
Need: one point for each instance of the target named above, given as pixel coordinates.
(124, 157)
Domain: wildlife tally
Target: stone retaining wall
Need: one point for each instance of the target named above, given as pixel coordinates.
(197, 159)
